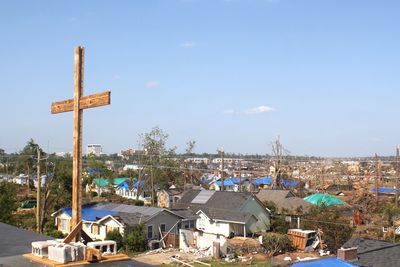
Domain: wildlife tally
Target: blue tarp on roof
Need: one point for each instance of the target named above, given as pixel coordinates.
(262, 180)
(90, 214)
(94, 170)
(327, 262)
(227, 182)
(289, 183)
(385, 190)
(236, 180)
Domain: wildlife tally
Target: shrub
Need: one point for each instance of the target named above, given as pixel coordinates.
(115, 236)
(55, 233)
(275, 243)
(135, 240)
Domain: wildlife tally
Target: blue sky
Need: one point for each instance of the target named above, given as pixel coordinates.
(324, 75)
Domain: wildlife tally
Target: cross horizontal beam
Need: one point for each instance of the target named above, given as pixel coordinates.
(85, 102)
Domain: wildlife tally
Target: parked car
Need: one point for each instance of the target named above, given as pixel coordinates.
(28, 204)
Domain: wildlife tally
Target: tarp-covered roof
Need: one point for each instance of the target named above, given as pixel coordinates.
(226, 183)
(262, 181)
(289, 183)
(104, 181)
(327, 262)
(385, 190)
(90, 213)
(324, 200)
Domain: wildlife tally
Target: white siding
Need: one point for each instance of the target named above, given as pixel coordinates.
(208, 226)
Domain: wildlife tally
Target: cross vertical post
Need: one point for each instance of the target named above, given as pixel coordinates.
(77, 138)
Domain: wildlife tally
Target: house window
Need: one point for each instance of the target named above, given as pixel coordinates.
(95, 229)
(149, 231)
(201, 223)
(63, 225)
(162, 227)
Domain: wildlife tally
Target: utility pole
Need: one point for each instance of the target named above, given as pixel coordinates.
(397, 175)
(277, 150)
(222, 169)
(28, 180)
(377, 176)
(38, 202)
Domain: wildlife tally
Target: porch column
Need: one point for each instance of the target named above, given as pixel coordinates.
(244, 230)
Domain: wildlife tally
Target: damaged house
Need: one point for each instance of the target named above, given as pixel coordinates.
(224, 213)
(285, 201)
(101, 218)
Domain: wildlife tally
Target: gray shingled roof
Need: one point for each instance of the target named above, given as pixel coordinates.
(141, 210)
(222, 205)
(130, 214)
(284, 200)
(375, 253)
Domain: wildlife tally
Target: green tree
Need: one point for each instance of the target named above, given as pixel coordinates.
(275, 243)
(391, 213)
(135, 240)
(162, 166)
(336, 230)
(8, 201)
(115, 236)
(58, 188)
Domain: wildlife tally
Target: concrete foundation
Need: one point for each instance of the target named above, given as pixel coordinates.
(106, 247)
(64, 253)
(41, 248)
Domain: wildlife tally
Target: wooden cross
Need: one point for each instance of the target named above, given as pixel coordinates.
(77, 105)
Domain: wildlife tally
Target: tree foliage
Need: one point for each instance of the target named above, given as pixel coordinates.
(115, 236)
(160, 161)
(275, 243)
(135, 240)
(336, 230)
(8, 201)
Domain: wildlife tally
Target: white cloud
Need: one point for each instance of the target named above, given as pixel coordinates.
(258, 110)
(152, 84)
(190, 44)
(250, 111)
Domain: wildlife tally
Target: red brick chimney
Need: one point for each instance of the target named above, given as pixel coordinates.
(347, 254)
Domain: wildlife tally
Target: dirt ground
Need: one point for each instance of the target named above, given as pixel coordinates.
(163, 257)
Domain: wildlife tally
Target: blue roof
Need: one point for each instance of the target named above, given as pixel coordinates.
(227, 182)
(91, 214)
(237, 180)
(262, 180)
(327, 262)
(385, 190)
(289, 183)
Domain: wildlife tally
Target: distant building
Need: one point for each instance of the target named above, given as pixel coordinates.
(169, 197)
(130, 152)
(95, 149)
(198, 160)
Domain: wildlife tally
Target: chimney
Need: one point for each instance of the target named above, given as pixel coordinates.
(347, 254)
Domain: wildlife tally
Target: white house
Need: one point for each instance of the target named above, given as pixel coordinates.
(101, 218)
(225, 213)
